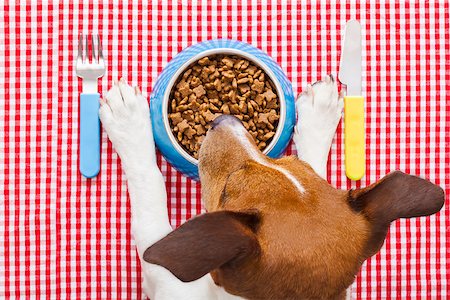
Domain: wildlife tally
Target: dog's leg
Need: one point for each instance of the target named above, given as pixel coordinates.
(125, 117)
(319, 109)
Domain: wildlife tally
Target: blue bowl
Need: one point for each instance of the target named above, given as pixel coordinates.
(164, 138)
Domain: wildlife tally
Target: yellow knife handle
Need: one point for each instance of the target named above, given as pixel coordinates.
(354, 137)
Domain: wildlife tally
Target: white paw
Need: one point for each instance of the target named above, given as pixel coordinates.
(125, 116)
(319, 110)
(320, 104)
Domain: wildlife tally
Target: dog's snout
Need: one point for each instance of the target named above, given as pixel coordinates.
(224, 119)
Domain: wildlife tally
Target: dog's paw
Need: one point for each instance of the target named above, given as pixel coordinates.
(320, 104)
(125, 116)
(319, 110)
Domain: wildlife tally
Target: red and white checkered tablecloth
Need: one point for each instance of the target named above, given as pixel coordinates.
(62, 236)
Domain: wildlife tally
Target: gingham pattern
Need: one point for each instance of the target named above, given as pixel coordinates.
(62, 236)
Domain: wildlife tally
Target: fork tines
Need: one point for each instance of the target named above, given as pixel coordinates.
(89, 55)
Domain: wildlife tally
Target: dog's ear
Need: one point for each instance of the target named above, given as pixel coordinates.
(397, 195)
(205, 243)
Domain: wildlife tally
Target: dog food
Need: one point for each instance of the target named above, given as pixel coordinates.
(217, 85)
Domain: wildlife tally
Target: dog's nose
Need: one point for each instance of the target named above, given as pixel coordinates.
(223, 119)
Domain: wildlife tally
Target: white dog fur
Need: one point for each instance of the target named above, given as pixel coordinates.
(125, 117)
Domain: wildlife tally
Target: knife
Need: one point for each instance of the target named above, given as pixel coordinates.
(350, 75)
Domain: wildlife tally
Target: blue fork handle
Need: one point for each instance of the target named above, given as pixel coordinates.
(89, 135)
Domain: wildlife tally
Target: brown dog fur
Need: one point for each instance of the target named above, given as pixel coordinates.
(291, 245)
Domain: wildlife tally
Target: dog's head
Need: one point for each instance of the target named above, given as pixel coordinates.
(275, 229)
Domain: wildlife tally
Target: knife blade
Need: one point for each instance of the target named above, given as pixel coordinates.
(350, 74)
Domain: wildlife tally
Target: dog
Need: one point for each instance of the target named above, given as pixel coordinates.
(275, 228)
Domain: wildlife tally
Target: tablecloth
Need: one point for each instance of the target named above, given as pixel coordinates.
(63, 236)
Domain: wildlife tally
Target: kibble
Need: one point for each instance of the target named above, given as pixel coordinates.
(217, 85)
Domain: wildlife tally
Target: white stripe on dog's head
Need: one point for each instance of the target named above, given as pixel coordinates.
(244, 139)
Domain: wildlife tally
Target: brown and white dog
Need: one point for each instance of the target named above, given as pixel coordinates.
(275, 229)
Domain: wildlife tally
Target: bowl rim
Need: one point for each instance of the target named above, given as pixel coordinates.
(211, 52)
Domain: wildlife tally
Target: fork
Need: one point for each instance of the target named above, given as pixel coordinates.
(89, 71)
